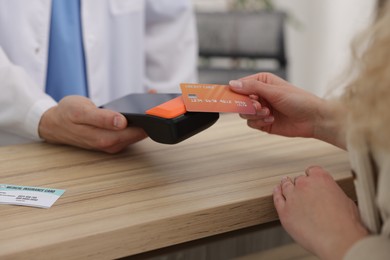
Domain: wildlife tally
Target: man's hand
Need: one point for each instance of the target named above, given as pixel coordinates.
(77, 121)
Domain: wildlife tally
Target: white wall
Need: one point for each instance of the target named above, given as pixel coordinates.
(319, 50)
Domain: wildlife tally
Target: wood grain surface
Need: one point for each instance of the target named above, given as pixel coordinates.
(152, 195)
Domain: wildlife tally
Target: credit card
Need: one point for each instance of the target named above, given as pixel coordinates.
(215, 98)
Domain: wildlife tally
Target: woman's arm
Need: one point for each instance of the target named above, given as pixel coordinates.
(286, 110)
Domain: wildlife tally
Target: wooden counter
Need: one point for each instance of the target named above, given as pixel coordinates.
(152, 195)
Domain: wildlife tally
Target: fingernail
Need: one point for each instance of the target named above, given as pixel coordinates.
(256, 105)
(310, 169)
(235, 84)
(263, 112)
(269, 119)
(277, 189)
(118, 122)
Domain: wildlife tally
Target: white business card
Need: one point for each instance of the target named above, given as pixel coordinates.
(29, 196)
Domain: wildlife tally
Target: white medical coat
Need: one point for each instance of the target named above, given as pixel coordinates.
(130, 46)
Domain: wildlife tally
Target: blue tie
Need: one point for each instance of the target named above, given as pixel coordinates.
(66, 74)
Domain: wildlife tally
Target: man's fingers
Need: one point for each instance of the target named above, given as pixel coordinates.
(129, 136)
(106, 119)
(82, 111)
(109, 141)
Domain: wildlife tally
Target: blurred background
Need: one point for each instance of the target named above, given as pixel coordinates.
(316, 38)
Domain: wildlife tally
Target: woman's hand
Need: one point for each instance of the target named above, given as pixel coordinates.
(317, 214)
(286, 110)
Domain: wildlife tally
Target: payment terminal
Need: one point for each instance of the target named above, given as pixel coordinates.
(162, 116)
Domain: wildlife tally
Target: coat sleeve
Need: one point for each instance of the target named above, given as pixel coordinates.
(22, 103)
(171, 44)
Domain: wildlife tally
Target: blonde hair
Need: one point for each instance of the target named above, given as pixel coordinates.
(368, 95)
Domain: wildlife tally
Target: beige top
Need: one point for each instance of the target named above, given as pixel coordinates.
(371, 165)
(152, 195)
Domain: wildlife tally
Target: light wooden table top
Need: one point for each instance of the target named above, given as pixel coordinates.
(152, 195)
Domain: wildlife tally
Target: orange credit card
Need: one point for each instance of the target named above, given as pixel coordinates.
(215, 98)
